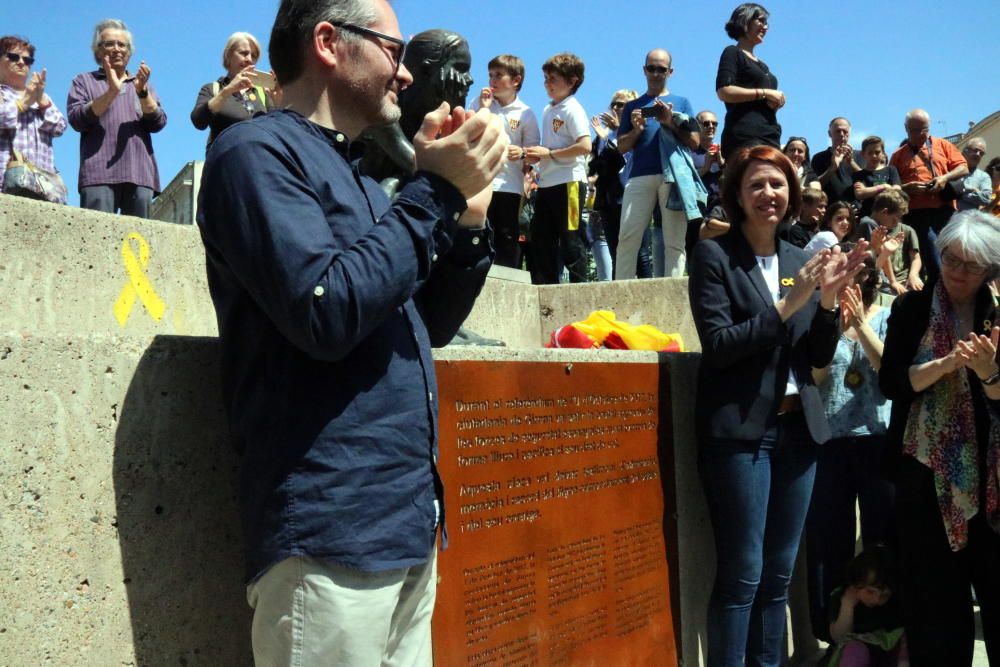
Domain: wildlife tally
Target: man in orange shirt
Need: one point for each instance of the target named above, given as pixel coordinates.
(926, 165)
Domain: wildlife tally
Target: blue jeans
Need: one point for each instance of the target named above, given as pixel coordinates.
(758, 496)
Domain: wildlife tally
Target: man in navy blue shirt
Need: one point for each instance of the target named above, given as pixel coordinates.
(646, 188)
(329, 298)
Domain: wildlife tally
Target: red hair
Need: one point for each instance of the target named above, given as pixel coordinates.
(737, 168)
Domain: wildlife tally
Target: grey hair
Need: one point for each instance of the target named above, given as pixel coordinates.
(739, 22)
(110, 24)
(917, 113)
(231, 44)
(977, 234)
(294, 24)
(976, 140)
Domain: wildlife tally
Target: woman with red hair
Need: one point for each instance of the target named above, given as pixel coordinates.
(763, 327)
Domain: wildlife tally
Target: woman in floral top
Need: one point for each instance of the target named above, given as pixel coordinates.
(939, 368)
(29, 120)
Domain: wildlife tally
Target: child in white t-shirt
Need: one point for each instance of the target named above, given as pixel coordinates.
(501, 97)
(557, 230)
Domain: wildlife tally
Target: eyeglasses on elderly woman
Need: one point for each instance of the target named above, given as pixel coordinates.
(972, 268)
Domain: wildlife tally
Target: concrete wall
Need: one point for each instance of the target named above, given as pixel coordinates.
(118, 526)
(63, 271)
(121, 541)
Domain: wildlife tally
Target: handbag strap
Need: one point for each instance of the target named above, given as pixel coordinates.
(930, 153)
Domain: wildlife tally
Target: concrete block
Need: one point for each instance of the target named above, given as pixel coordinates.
(121, 540)
(662, 302)
(63, 270)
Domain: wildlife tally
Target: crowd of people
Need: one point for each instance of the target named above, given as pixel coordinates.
(813, 394)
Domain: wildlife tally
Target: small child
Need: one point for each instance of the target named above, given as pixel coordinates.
(558, 235)
(897, 244)
(838, 227)
(501, 97)
(813, 210)
(866, 621)
(875, 178)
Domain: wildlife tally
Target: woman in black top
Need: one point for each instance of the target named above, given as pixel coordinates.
(237, 96)
(747, 86)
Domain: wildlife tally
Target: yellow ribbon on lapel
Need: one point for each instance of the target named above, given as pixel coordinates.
(138, 285)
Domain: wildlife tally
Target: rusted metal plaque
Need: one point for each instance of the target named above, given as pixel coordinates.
(555, 513)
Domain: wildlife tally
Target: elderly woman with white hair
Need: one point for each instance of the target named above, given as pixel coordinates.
(241, 94)
(116, 113)
(940, 369)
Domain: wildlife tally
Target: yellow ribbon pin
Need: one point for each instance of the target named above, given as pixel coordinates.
(787, 282)
(138, 284)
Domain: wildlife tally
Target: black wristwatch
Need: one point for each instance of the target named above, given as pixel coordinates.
(991, 380)
(143, 94)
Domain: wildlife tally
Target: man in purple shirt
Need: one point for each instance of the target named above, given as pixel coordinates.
(115, 113)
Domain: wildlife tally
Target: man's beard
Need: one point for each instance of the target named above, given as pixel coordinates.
(371, 101)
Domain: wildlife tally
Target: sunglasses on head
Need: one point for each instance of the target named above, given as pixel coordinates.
(17, 57)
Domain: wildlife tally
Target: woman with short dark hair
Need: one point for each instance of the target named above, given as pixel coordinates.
(747, 86)
(763, 327)
(940, 370)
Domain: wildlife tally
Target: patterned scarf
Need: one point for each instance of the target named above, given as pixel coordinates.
(941, 432)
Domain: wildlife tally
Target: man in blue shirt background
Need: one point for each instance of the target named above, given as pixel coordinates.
(329, 299)
(646, 188)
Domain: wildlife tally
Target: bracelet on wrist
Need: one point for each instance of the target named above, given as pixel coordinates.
(551, 156)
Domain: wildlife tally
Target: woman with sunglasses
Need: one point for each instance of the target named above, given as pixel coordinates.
(940, 370)
(747, 86)
(29, 120)
(241, 94)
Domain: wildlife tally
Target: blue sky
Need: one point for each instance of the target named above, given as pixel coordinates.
(869, 61)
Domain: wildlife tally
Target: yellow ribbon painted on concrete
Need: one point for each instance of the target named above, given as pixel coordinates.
(138, 285)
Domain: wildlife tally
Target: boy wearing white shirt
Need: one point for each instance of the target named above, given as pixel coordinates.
(556, 228)
(506, 78)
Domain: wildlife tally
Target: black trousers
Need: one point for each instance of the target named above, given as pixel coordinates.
(558, 236)
(935, 580)
(928, 223)
(503, 215)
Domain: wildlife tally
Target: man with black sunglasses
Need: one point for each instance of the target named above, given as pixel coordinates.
(329, 298)
(646, 189)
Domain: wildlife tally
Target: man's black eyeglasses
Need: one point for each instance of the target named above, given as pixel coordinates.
(17, 57)
(397, 59)
(656, 69)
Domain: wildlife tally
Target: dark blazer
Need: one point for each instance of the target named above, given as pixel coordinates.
(746, 349)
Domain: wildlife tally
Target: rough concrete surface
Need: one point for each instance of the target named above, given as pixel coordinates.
(119, 526)
(121, 542)
(62, 270)
(662, 302)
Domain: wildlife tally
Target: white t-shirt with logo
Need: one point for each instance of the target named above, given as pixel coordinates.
(562, 125)
(522, 130)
